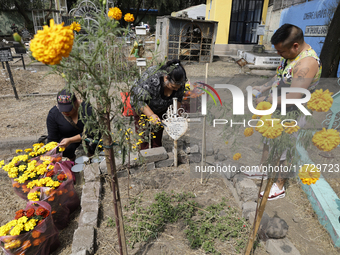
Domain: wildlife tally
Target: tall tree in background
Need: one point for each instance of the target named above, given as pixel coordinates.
(330, 53)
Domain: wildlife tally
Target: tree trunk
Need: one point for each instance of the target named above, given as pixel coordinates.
(117, 205)
(330, 53)
(29, 23)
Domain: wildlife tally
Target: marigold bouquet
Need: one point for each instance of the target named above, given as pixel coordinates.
(31, 232)
(57, 189)
(31, 165)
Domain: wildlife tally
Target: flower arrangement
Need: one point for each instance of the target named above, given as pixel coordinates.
(57, 189)
(52, 43)
(30, 166)
(29, 230)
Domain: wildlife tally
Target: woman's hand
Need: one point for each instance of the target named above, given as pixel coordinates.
(154, 118)
(65, 142)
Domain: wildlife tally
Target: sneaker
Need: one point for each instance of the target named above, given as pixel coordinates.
(256, 173)
(275, 192)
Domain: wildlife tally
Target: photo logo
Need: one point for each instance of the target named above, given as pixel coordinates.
(238, 100)
(209, 93)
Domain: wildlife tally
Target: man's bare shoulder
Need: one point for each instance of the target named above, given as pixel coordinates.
(306, 68)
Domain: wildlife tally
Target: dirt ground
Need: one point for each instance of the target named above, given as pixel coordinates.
(27, 116)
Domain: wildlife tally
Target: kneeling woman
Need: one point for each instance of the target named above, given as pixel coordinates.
(64, 125)
(153, 93)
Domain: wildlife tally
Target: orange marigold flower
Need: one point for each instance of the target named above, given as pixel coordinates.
(53, 212)
(35, 234)
(15, 185)
(26, 244)
(30, 212)
(52, 43)
(71, 193)
(115, 13)
(51, 198)
(42, 212)
(129, 17)
(237, 156)
(37, 242)
(50, 173)
(61, 177)
(19, 214)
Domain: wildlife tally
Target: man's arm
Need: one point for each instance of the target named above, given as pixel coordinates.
(303, 74)
(266, 86)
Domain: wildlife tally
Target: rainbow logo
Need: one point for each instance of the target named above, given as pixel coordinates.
(209, 93)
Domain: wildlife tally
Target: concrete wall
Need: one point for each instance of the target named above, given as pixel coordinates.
(193, 11)
(220, 10)
(272, 23)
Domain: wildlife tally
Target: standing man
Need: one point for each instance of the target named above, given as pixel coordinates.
(300, 67)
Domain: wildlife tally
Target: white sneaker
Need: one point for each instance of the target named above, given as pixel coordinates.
(275, 192)
(256, 173)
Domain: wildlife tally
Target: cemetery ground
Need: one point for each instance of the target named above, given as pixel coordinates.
(26, 117)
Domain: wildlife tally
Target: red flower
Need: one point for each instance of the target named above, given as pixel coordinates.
(50, 173)
(30, 212)
(19, 214)
(42, 211)
(61, 177)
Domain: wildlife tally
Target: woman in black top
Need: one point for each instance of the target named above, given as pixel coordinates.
(64, 125)
(153, 93)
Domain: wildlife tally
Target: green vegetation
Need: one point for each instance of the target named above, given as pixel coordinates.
(215, 222)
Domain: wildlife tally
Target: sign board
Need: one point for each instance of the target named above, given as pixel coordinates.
(140, 30)
(5, 54)
(317, 31)
(176, 127)
(141, 61)
(260, 30)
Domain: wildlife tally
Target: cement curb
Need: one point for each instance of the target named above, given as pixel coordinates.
(29, 95)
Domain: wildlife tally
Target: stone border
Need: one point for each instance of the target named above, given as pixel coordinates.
(323, 199)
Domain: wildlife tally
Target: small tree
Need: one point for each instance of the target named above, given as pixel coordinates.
(96, 66)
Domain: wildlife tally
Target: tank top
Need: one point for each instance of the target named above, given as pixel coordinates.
(285, 71)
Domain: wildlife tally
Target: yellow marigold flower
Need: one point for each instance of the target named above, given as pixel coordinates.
(248, 132)
(52, 43)
(18, 151)
(237, 156)
(61, 149)
(30, 225)
(135, 158)
(226, 142)
(50, 167)
(291, 129)
(16, 230)
(100, 146)
(326, 140)
(28, 150)
(264, 105)
(22, 220)
(115, 13)
(129, 17)
(34, 196)
(145, 152)
(309, 174)
(271, 128)
(154, 136)
(75, 26)
(320, 101)
(12, 244)
(2, 162)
